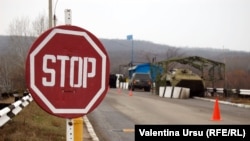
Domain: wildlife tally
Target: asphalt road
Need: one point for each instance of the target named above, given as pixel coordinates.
(115, 117)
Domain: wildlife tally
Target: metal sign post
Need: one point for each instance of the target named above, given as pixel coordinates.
(68, 16)
(74, 129)
(69, 130)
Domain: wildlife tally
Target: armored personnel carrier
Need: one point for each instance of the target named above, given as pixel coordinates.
(187, 79)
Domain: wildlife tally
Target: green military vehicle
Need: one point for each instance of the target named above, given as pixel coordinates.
(187, 79)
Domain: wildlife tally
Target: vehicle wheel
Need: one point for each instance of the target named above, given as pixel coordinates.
(133, 88)
(147, 89)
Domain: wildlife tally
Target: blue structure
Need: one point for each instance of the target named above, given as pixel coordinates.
(146, 68)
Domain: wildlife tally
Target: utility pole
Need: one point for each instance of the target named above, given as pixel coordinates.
(50, 13)
(225, 75)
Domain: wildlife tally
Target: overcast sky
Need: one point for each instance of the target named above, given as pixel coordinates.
(180, 23)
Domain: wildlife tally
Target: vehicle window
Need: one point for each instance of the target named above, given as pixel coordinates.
(142, 76)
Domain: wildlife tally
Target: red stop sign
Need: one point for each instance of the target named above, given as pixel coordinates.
(67, 71)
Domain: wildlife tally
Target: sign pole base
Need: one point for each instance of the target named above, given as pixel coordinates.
(74, 129)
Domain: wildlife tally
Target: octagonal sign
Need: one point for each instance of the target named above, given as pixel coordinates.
(67, 71)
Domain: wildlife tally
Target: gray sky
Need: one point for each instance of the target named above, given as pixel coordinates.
(180, 23)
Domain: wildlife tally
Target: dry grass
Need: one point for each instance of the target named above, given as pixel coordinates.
(238, 100)
(7, 100)
(34, 124)
(241, 100)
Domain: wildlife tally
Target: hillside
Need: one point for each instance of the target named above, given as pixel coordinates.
(120, 50)
(120, 54)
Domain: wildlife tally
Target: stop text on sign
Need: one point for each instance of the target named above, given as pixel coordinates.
(82, 62)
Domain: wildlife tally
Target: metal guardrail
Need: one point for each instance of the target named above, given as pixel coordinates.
(124, 85)
(241, 91)
(12, 110)
(225, 91)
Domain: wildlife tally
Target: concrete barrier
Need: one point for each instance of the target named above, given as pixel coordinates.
(123, 85)
(161, 91)
(165, 92)
(185, 93)
(168, 92)
(174, 92)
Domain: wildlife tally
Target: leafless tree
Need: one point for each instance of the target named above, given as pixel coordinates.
(5, 73)
(22, 34)
(39, 25)
(171, 53)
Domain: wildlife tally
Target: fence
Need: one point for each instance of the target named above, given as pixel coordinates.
(12, 110)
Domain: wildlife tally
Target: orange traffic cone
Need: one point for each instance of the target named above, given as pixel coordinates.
(130, 93)
(216, 112)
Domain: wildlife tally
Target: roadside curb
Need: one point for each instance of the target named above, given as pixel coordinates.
(225, 102)
(90, 129)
